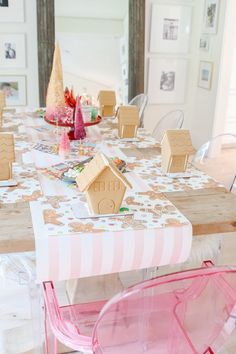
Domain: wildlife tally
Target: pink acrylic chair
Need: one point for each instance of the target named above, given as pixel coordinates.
(190, 312)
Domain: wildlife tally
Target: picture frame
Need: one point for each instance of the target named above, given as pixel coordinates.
(170, 28)
(12, 11)
(167, 80)
(205, 74)
(12, 50)
(210, 17)
(204, 43)
(15, 89)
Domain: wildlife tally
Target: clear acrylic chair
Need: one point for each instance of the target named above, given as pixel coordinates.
(141, 102)
(17, 281)
(190, 312)
(170, 121)
(217, 157)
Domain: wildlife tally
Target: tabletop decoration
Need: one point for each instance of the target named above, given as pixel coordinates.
(7, 155)
(103, 184)
(56, 109)
(107, 103)
(79, 132)
(128, 121)
(69, 98)
(176, 146)
(64, 147)
(66, 116)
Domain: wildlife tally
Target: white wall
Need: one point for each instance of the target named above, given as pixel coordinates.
(29, 28)
(225, 118)
(199, 106)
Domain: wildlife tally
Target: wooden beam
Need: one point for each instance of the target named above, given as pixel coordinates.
(136, 47)
(46, 43)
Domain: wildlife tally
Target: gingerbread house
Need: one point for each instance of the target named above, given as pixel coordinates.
(107, 103)
(7, 155)
(176, 146)
(103, 184)
(128, 121)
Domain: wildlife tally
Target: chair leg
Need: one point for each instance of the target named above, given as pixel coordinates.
(51, 343)
(231, 187)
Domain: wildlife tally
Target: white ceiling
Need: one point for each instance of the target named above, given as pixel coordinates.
(107, 9)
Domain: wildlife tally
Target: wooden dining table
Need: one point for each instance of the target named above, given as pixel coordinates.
(167, 209)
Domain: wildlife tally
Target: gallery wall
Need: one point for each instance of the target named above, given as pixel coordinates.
(20, 30)
(204, 103)
(198, 103)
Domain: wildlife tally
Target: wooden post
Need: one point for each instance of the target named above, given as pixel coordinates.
(136, 47)
(46, 43)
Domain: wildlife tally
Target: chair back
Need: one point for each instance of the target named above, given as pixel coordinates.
(172, 120)
(186, 312)
(141, 102)
(217, 157)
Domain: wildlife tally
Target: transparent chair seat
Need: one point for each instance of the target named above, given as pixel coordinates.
(217, 158)
(180, 313)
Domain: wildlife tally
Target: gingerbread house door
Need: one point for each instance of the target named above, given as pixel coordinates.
(106, 206)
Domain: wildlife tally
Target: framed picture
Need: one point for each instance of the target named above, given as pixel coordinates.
(204, 43)
(205, 74)
(12, 50)
(167, 80)
(170, 28)
(12, 11)
(210, 17)
(15, 89)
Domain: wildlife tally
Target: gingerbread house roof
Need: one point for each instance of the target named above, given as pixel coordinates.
(128, 115)
(179, 142)
(7, 151)
(94, 168)
(107, 98)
